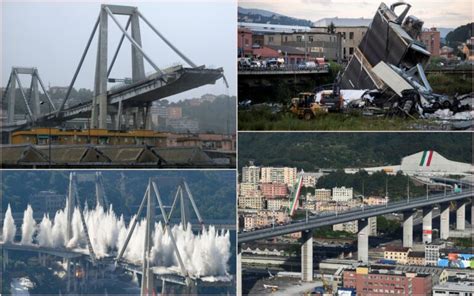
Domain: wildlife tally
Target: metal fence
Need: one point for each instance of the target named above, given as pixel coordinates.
(284, 68)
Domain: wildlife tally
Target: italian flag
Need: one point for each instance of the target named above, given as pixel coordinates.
(296, 195)
(426, 158)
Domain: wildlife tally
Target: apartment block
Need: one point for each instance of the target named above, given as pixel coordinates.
(285, 175)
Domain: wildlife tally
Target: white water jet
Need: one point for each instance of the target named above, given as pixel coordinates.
(205, 254)
(9, 227)
(45, 232)
(28, 227)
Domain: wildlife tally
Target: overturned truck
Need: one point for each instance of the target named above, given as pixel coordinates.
(391, 60)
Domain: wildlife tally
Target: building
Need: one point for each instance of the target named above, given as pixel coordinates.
(271, 28)
(353, 226)
(387, 282)
(350, 38)
(399, 254)
(284, 175)
(250, 222)
(431, 38)
(454, 289)
(250, 174)
(311, 44)
(291, 55)
(416, 258)
(186, 125)
(276, 204)
(175, 112)
(468, 49)
(432, 252)
(351, 30)
(249, 189)
(322, 194)
(447, 53)
(342, 22)
(47, 202)
(263, 219)
(244, 42)
(342, 194)
(428, 163)
(251, 202)
(375, 200)
(310, 179)
(273, 190)
(438, 275)
(54, 90)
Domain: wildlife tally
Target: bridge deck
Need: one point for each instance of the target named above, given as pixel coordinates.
(178, 79)
(360, 213)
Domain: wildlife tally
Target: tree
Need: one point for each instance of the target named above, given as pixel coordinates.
(459, 35)
(331, 28)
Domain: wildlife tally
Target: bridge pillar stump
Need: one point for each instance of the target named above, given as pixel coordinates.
(68, 276)
(85, 277)
(239, 272)
(74, 266)
(113, 120)
(444, 221)
(363, 241)
(11, 101)
(427, 225)
(408, 229)
(191, 289)
(461, 215)
(307, 256)
(5, 259)
(148, 122)
(472, 214)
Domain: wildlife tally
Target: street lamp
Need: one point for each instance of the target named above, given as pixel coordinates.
(49, 134)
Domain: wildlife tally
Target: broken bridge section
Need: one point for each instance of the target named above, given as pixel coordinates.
(392, 39)
(128, 103)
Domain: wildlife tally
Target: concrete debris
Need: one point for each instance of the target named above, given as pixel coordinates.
(391, 60)
(446, 114)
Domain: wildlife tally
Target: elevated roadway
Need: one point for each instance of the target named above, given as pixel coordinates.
(356, 214)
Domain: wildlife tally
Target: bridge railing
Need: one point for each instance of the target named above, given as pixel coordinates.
(329, 216)
(285, 68)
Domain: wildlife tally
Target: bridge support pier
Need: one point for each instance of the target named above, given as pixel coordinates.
(427, 225)
(461, 215)
(42, 259)
(472, 213)
(363, 241)
(5, 259)
(68, 275)
(239, 272)
(191, 289)
(148, 123)
(11, 101)
(444, 221)
(307, 256)
(74, 268)
(408, 229)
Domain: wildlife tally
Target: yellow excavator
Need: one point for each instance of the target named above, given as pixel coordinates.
(305, 106)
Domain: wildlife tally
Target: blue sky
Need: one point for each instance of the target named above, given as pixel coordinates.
(52, 36)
